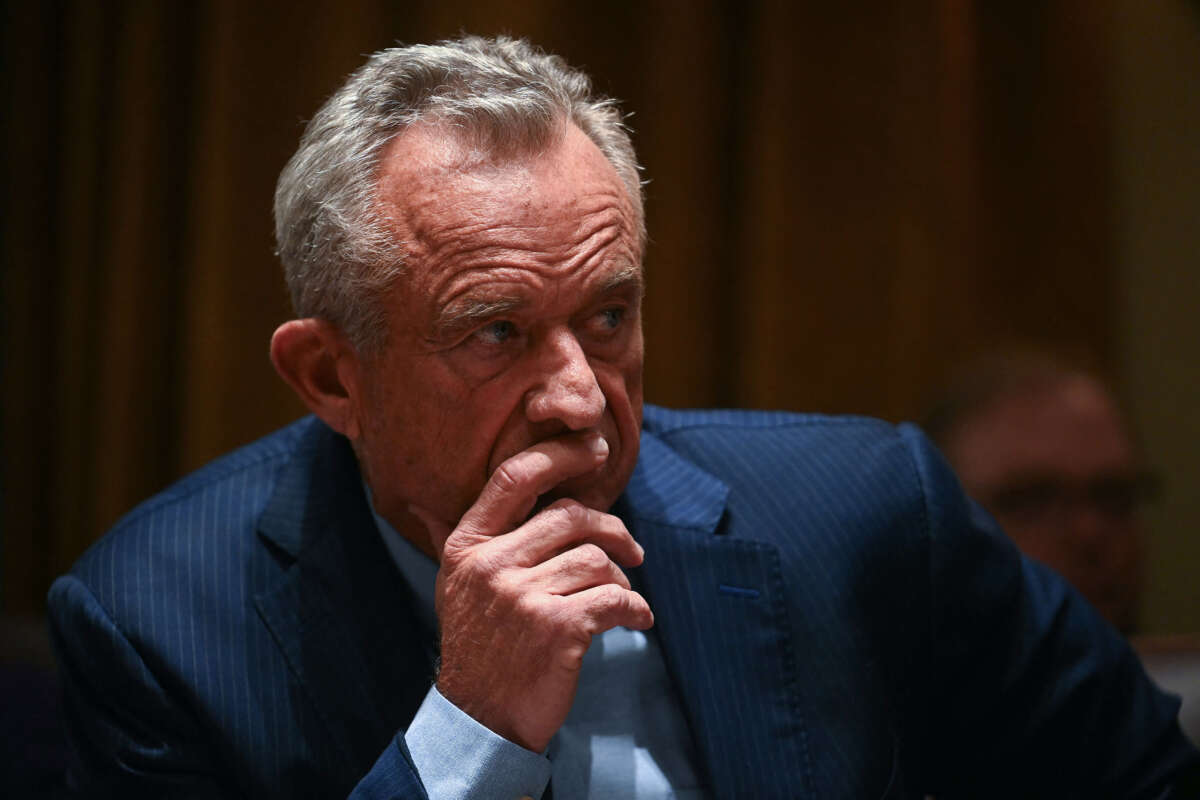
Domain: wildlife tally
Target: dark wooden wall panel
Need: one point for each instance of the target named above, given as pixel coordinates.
(844, 199)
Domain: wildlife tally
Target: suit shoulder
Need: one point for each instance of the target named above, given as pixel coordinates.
(847, 464)
(685, 427)
(250, 461)
(224, 495)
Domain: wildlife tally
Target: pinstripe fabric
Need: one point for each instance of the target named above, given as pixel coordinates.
(839, 622)
(242, 634)
(887, 640)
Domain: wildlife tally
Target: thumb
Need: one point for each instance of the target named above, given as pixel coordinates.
(438, 531)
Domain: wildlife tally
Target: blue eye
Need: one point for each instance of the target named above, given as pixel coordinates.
(497, 332)
(612, 317)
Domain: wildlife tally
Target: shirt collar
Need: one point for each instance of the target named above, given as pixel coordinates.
(419, 570)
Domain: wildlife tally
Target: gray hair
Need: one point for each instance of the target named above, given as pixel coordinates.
(338, 256)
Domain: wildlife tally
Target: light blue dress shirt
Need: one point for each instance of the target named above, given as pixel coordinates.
(625, 735)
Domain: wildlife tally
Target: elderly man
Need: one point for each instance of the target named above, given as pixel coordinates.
(482, 568)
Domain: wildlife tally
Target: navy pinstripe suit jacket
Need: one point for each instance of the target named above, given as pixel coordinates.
(839, 622)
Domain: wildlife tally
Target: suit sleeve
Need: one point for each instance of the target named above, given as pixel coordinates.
(128, 737)
(1029, 692)
(131, 738)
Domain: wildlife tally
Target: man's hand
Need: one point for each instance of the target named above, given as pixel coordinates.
(519, 603)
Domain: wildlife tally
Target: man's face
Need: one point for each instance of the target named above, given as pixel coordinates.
(518, 319)
(1060, 473)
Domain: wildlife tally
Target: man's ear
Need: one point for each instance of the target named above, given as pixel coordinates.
(322, 367)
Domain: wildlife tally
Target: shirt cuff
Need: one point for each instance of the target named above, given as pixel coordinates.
(456, 757)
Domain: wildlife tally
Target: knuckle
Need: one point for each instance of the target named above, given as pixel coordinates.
(508, 476)
(482, 563)
(531, 606)
(611, 521)
(570, 512)
(453, 554)
(461, 544)
(612, 527)
(592, 557)
(501, 584)
(611, 596)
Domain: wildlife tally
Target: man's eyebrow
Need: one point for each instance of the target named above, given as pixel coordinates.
(628, 277)
(467, 313)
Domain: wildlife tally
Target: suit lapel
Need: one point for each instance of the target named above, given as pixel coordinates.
(342, 616)
(340, 612)
(721, 618)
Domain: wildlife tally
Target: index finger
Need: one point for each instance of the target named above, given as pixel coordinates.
(514, 487)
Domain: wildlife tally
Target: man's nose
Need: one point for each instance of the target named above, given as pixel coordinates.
(567, 389)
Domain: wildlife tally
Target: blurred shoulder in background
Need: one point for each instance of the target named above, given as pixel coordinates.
(1044, 444)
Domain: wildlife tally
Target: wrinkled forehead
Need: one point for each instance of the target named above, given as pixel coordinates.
(433, 172)
(428, 155)
(483, 233)
(442, 145)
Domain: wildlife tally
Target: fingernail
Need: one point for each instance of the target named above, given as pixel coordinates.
(599, 445)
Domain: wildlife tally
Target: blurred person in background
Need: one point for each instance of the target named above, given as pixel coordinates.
(1044, 445)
